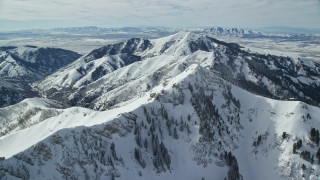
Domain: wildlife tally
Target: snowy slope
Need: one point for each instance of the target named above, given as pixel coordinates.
(191, 107)
(26, 113)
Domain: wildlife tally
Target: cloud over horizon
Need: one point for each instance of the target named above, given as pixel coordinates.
(173, 13)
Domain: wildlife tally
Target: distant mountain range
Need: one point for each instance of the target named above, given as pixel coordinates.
(156, 32)
(290, 30)
(89, 29)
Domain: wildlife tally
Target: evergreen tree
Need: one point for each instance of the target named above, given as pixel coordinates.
(284, 135)
(318, 154)
(299, 144)
(113, 150)
(313, 133)
(138, 156)
(145, 143)
(294, 148)
(317, 137)
(175, 133)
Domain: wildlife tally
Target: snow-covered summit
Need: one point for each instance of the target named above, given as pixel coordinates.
(227, 31)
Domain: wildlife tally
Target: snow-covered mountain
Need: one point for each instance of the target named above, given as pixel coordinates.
(94, 80)
(186, 106)
(220, 31)
(258, 34)
(32, 63)
(20, 66)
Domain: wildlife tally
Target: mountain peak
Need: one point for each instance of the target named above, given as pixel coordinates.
(186, 43)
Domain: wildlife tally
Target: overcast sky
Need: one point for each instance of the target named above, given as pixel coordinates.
(34, 14)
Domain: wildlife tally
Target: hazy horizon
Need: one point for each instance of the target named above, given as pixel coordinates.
(267, 29)
(45, 14)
